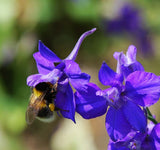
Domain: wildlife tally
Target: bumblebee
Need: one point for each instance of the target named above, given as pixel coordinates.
(41, 105)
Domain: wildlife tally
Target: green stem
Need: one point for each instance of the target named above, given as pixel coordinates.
(148, 111)
(152, 119)
(150, 116)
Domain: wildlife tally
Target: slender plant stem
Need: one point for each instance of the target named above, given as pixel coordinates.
(150, 116)
(148, 111)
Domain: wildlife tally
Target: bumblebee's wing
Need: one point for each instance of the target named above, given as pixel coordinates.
(33, 108)
(31, 114)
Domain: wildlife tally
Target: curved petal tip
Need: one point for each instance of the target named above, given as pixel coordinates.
(93, 30)
(73, 54)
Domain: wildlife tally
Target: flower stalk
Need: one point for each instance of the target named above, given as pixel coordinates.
(150, 116)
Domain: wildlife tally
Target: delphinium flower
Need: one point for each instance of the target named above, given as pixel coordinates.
(150, 140)
(64, 72)
(130, 21)
(127, 64)
(129, 88)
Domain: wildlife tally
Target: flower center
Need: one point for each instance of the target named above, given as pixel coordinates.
(113, 94)
(134, 145)
(113, 98)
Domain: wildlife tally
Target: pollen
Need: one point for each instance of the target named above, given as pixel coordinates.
(112, 100)
(51, 107)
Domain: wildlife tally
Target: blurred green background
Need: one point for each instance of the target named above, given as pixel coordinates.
(59, 24)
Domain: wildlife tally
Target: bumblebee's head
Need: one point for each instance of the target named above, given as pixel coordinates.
(43, 86)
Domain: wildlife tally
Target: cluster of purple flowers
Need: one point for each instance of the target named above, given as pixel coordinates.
(130, 91)
(129, 20)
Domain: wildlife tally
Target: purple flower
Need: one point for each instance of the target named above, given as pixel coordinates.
(150, 140)
(127, 64)
(123, 96)
(66, 71)
(130, 21)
